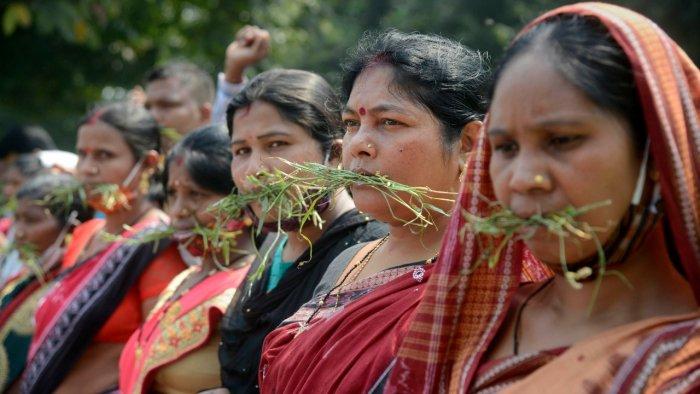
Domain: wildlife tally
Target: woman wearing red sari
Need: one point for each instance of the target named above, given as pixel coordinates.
(176, 348)
(411, 99)
(106, 287)
(592, 102)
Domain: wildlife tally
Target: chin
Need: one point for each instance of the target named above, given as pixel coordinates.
(547, 249)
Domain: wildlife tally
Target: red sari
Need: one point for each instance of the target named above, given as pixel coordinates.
(354, 335)
(81, 292)
(176, 328)
(455, 325)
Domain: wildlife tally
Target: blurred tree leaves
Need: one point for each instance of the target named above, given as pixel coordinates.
(61, 56)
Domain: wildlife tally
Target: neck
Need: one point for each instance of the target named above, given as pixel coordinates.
(616, 303)
(299, 241)
(245, 247)
(405, 246)
(114, 222)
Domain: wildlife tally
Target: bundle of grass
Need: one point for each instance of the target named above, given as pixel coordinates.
(298, 193)
(503, 226)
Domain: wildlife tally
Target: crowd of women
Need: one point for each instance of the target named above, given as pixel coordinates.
(565, 257)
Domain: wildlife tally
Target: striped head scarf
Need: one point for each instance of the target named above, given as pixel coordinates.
(465, 303)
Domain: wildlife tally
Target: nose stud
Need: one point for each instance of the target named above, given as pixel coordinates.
(370, 146)
(538, 179)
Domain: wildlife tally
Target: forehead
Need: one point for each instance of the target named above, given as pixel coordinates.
(30, 205)
(260, 118)
(531, 86)
(177, 171)
(171, 87)
(375, 86)
(100, 135)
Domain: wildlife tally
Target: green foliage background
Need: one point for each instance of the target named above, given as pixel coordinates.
(60, 57)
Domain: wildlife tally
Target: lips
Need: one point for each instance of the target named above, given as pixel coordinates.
(182, 235)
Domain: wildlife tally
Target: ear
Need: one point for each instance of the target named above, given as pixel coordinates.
(151, 159)
(336, 154)
(205, 113)
(470, 133)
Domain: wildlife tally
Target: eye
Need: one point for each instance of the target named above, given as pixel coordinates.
(391, 122)
(195, 195)
(563, 142)
(170, 192)
(277, 144)
(241, 151)
(351, 124)
(506, 148)
(103, 155)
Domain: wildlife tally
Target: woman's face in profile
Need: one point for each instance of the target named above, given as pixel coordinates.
(390, 134)
(552, 147)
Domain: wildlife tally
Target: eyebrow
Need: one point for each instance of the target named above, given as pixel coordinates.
(547, 123)
(262, 137)
(378, 109)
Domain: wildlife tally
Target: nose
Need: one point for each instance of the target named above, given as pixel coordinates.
(179, 209)
(157, 113)
(252, 167)
(360, 144)
(87, 168)
(530, 175)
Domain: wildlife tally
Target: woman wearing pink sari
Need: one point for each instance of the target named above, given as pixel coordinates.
(592, 102)
(176, 348)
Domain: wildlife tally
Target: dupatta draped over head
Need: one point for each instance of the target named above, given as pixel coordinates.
(465, 303)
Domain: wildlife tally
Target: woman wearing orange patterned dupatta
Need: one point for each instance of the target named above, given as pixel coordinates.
(106, 287)
(175, 350)
(592, 102)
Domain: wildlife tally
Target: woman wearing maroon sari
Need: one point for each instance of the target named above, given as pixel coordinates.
(106, 287)
(414, 106)
(592, 103)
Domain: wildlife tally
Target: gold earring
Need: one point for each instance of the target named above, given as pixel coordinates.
(144, 183)
(539, 179)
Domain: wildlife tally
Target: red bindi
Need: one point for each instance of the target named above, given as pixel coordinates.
(363, 111)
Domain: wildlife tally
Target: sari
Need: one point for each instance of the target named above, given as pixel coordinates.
(18, 302)
(96, 299)
(461, 314)
(342, 343)
(257, 312)
(175, 330)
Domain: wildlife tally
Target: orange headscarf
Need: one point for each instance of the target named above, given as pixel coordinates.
(466, 303)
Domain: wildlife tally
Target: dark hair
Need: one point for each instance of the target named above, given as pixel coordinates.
(40, 186)
(207, 158)
(139, 129)
(197, 81)
(447, 78)
(301, 97)
(582, 50)
(25, 139)
(28, 164)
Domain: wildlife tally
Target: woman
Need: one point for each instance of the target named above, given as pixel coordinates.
(411, 99)
(591, 103)
(293, 115)
(24, 167)
(107, 287)
(176, 348)
(42, 228)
